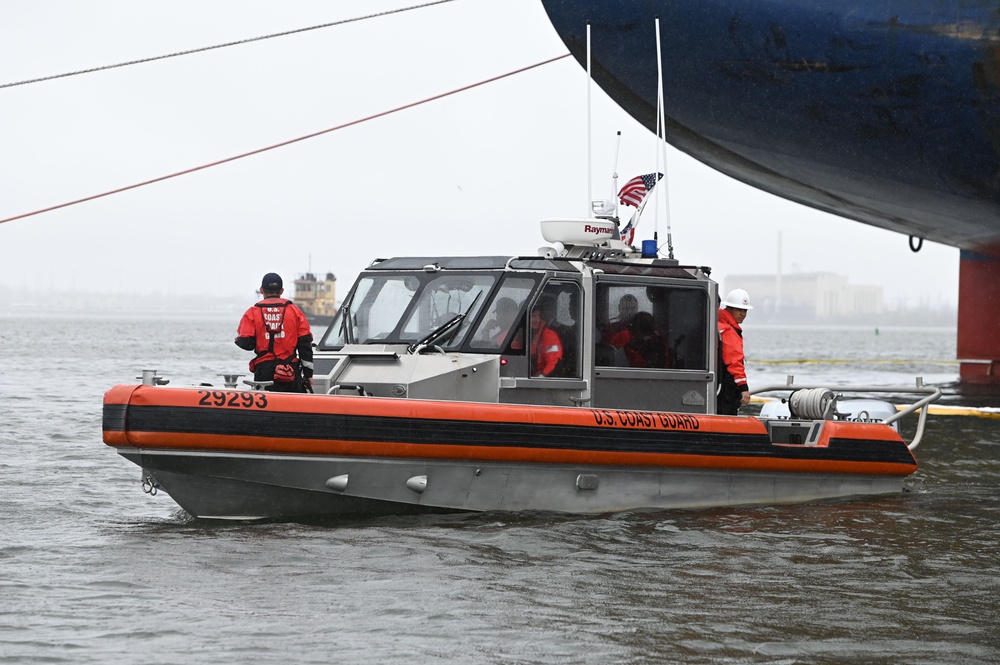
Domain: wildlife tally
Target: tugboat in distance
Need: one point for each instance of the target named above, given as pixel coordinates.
(317, 297)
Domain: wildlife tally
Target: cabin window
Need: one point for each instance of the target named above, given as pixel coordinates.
(651, 327)
(555, 331)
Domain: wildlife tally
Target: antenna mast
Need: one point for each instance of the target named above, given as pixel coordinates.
(614, 174)
(590, 82)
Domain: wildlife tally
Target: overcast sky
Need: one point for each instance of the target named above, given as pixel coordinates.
(469, 174)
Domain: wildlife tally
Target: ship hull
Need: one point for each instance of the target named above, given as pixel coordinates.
(246, 455)
(886, 113)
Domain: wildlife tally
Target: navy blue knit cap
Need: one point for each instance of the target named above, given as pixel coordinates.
(271, 282)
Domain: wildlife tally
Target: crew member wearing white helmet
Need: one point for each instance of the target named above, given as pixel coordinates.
(733, 390)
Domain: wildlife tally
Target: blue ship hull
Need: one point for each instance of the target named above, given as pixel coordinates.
(883, 112)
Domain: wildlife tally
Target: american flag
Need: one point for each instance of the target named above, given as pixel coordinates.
(628, 231)
(635, 190)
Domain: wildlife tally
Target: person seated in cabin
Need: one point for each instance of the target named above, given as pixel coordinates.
(617, 332)
(546, 348)
(504, 327)
(646, 347)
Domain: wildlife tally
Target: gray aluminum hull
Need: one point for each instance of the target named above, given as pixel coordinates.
(255, 486)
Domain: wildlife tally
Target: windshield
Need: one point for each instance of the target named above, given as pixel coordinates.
(442, 299)
(395, 308)
(374, 310)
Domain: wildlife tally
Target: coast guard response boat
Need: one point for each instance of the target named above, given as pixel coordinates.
(430, 395)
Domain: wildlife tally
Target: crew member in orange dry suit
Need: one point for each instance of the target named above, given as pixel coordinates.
(278, 332)
(733, 389)
(546, 347)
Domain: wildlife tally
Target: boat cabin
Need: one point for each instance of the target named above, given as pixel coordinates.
(590, 323)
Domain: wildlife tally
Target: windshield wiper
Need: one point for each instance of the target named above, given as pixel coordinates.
(346, 327)
(431, 338)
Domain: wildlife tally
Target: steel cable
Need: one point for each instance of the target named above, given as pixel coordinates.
(218, 46)
(284, 143)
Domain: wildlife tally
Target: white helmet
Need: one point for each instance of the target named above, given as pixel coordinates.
(737, 299)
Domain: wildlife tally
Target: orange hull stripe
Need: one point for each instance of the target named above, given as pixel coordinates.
(501, 413)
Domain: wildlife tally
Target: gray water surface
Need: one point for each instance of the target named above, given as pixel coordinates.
(92, 570)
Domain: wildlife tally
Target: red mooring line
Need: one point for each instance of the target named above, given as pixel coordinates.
(284, 143)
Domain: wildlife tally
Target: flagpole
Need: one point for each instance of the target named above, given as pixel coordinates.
(659, 128)
(590, 81)
(662, 122)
